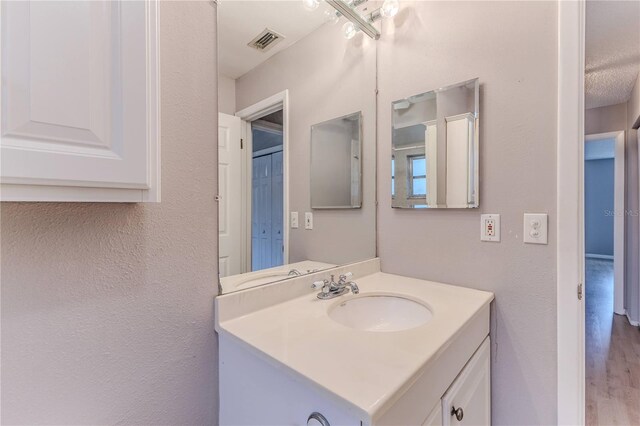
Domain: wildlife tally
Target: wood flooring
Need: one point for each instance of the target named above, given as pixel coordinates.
(612, 354)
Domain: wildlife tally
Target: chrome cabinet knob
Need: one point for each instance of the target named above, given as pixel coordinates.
(317, 419)
(458, 412)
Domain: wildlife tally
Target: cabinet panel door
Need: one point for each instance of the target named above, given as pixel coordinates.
(79, 94)
(435, 417)
(470, 392)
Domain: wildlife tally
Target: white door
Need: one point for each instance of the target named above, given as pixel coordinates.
(261, 217)
(230, 192)
(267, 221)
(277, 218)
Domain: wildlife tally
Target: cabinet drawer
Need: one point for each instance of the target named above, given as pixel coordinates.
(468, 400)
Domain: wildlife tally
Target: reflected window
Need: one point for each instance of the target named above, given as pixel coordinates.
(417, 176)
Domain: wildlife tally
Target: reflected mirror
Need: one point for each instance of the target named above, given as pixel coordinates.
(434, 158)
(335, 163)
(296, 133)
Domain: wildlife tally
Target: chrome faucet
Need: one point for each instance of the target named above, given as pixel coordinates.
(331, 289)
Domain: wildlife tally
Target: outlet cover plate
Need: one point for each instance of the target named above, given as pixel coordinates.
(490, 227)
(535, 228)
(308, 220)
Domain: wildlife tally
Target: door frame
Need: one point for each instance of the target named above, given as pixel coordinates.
(619, 216)
(247, 115)
(570, 214)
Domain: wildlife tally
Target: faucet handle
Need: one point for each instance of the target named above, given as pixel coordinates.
(344, 277)
(319, 284)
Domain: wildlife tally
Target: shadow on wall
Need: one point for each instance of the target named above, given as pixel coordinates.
(71, 242)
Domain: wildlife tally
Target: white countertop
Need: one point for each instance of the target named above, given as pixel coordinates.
(364, 368)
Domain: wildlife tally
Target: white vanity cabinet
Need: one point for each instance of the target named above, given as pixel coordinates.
(468, 400)
(255, 391)
(79, 96)
(285, 354)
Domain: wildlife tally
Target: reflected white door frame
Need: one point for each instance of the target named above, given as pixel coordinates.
(279, 101)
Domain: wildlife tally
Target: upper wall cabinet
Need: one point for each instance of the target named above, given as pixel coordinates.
(80, 106)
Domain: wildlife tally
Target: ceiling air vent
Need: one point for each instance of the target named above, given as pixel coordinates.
(265, 40)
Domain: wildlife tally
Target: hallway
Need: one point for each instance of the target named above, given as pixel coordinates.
(612, 353)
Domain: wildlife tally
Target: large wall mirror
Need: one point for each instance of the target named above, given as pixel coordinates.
(434, 158)
(296, 142)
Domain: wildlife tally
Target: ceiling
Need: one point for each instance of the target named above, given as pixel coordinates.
(239, 21)
(612, 51)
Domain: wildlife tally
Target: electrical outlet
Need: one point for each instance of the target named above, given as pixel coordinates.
(308, 220)
(294, 220)
(535, 228)
(490, 227)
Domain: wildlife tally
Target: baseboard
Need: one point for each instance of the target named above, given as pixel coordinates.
(598, 256)
(632, 322)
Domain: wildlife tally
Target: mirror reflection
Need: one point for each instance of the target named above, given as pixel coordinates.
(335, 163)
(434, 159)
(296, 133)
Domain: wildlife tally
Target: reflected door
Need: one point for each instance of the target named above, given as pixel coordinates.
(267, 212)
(229, 190)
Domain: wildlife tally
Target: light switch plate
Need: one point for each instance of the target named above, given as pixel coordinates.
(294, 220)
(490, 227)
(308, 220)
(535, 228)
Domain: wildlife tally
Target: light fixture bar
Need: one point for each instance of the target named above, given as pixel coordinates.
(353, 16)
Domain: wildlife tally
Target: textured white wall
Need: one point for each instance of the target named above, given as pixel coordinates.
(226, 95)
(107, 309)
(605, 119)
(327, 77)
(512, 48)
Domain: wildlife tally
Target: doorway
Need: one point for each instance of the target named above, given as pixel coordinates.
(265, 183)
(267, 192)
(253, 182)
(604, 209)
(606, 342)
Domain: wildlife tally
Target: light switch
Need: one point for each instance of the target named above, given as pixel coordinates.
(308, 220)
(294, 220)
(490, 227)
(535, 228)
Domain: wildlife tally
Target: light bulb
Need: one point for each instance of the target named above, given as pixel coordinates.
(350, 29)
(389, 8)
(311, 5)
(331, 16)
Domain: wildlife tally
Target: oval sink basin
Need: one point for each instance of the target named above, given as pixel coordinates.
(380, 313)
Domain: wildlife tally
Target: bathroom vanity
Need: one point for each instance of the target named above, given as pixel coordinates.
(401, 351)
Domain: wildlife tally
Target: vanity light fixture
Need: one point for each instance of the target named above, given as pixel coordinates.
(311, 5)
(350, 30)
(332, 16)
(389, 8)
(362, 23)
(356, 20)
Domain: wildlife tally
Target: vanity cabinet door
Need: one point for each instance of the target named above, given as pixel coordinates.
(468, 400)
(435, 417)
(79, 101)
